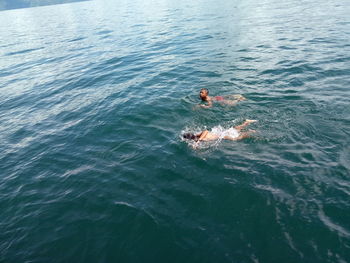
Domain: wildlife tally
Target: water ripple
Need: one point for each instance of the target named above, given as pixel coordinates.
(95, 96)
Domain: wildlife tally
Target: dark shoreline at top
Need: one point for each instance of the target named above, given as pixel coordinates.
(18, 4)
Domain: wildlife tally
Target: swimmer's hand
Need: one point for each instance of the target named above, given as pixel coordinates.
(250, 121)
(200, 106)
(205, 106)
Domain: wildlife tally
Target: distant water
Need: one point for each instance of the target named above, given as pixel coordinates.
(95, 95)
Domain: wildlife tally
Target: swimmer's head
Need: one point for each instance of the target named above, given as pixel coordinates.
(190, 136)
(203, 93)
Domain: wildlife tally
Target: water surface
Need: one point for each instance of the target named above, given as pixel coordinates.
(95, 96)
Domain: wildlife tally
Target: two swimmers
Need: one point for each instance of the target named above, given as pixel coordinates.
(217, 133)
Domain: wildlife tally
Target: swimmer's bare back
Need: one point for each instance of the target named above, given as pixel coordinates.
(230, 100)
(209, 136)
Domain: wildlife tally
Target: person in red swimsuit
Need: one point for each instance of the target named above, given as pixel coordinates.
(204, 96)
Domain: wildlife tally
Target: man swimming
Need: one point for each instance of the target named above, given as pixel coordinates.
(216, 133)
(226, 100)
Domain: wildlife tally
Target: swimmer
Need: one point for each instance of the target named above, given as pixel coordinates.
(233, 133)
(227, 100)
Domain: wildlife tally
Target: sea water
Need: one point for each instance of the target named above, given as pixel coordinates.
(95, 96)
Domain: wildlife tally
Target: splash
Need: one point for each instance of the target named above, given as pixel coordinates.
(198, 129)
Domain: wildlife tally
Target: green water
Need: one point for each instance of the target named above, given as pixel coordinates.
(94, 99)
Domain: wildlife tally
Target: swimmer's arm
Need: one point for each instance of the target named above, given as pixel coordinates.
(203, 135)
(210, 104)
(209, 100)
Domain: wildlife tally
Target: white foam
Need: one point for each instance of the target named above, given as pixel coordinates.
(221, 131)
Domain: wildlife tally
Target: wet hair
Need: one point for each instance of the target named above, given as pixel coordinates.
(190, 136)
(206, 90)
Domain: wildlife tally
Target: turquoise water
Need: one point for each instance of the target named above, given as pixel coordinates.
(95, 96)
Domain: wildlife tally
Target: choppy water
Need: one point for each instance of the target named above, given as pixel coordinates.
(95, 95)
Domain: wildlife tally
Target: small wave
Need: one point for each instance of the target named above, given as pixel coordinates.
(76, 39)
(332, 225)
(104, 32)
(23, 51)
